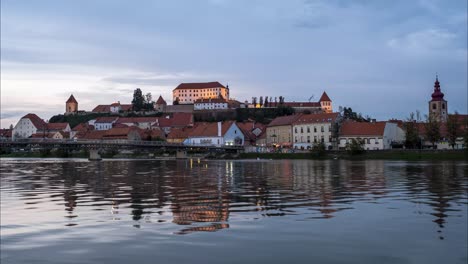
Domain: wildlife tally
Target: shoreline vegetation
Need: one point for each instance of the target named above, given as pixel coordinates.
(403, 155)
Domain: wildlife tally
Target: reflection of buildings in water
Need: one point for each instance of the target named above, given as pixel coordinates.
(436, 185)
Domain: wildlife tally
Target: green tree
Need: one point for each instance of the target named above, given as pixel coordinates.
(318, 149)
(266, 101)
(432, 127)
(138, 101)
(355, 147)
(453, 129)
(411, 132)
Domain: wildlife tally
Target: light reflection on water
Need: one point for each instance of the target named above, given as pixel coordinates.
(74, 211)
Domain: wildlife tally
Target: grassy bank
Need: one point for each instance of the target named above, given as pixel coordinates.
(381, 155)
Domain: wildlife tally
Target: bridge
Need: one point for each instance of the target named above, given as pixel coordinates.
(94, 146)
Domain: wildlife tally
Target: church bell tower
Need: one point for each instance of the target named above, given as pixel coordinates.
(438, 106)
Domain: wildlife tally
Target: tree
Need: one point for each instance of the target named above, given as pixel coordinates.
(355, 147)
(318, 149)
(138, 100)
(276, 101)
(432, 127)
(261, 101)
(149, 103)
(176, 101)
(411, 132)
(453, 129)
(254, 101)
(266, 101)
(281, 100)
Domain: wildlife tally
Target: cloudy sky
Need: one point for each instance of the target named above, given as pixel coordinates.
(379, 57)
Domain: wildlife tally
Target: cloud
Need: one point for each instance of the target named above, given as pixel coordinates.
(424, 41)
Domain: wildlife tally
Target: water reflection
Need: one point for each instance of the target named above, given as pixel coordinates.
(199, 195)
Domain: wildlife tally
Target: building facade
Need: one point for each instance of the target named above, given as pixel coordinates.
(373, 135)
(187, 93)
(28, 125)
(315, 128)
(210, 104)
(279, 131)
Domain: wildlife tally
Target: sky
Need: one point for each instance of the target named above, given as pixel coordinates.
(379, 57)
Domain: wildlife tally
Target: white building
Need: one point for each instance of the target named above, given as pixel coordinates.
(187, 93)
(219, 134)
(103, 123)
(28, 125)
(374, 135)
(309, 129)
(210, 104)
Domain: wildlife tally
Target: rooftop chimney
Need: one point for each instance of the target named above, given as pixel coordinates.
(219, 129)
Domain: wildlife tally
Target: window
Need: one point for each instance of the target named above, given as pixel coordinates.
(329, 139)
(308, 129)
(321, 129)
(322, 139)
(295, 130)
(329, 128)
(315, 139)
(315, 129)
(308, 139)
(443, 106)
(376, 141)
(302, 130)
(434, 106)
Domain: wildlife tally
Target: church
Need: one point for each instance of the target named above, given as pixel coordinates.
(438, 107)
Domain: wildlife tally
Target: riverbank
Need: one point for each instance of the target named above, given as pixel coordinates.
(408, 155)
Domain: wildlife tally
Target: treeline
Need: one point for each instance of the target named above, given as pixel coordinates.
(261, 115)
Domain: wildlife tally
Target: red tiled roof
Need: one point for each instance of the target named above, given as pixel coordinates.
(199, 85)
(324, 97)
(362, 129)
(115, 104)
(120, 132)
(248, 127)
(94, 134)
(316, 118)
(284, 120)
(182, 119)
(161, 101)
(57, 126)
(83, 127)
(71, 100)
(106, 108)
(210, 129)
(37, 122)
(137, 120)
(302, 104)
(180, 133)
(214, 100)
(43, 135)
(106, 119)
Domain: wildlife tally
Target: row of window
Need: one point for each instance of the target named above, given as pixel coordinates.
(366, 140)
(322, 129)
(198, 90)
(316, 139)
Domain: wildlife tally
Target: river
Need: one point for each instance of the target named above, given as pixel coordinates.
(242, 211)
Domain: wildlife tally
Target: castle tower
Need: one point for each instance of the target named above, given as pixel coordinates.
(438, 107)
(326, 103)
(160, 105)
(71, 105)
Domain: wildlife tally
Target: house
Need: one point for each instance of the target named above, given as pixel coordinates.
(210, 104)
(187, 93)
(28, 125)
(124, 133)
(309, 129)
(115, 107)
(279, 131)
(218, 134)
(55, 127)
(374, 135)
(79, 130)
(52, 135)
(179, 135)
(443, 142)
(160, 105)
(141, 122)
(104, 123)
(252, 131)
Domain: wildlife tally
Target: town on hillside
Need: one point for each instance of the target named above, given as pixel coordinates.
(204, 114)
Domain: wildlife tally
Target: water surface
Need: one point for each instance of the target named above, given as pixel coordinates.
(196, 211)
